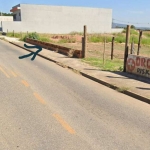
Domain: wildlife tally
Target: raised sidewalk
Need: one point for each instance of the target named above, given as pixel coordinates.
(132, 85)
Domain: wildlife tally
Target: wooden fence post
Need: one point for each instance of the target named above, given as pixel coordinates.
(84, 42)
(83, 47)
(104, 51)
(132, 47)
(13, 33)
(112, 48)
(126, 47)
(139, 43)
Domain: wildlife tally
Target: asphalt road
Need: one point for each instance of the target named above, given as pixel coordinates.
(46, 107)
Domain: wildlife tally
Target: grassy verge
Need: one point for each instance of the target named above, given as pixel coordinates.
(109, 65)
(121, 37)
(34, 35)
(92, 38)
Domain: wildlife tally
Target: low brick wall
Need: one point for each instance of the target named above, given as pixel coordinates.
(65, 50)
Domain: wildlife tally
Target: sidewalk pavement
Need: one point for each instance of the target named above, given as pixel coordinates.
(129, 84)
(10, 39)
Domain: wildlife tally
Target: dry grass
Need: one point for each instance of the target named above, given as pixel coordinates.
(95, 45)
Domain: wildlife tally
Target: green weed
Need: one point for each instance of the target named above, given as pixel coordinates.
(109, 65)
(134, 32)
(122, 89)
(44, 39)
(147, 34)
(99, 38)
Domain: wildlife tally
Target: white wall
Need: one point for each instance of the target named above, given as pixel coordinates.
(62, 19)
(6, 18)
(19, 26)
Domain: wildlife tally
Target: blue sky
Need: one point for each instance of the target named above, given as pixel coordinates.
(132, 11)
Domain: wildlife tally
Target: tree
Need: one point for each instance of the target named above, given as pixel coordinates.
(132, 27)
(6, 14)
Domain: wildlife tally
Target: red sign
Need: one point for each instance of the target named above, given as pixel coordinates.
(130, 64)
(138, 65)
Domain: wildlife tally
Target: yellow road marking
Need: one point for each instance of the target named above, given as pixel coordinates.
(63, 123)
(25, 83)
(13, 74)
(39, 98)
(4, 72)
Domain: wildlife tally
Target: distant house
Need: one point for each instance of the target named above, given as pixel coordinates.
(16, 13)
(59, 19)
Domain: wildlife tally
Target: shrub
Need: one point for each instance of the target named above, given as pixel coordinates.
(132, 27)
(44, 39)
(33, 35)
(133, 31)
(95, 38)
(135, 39)
(120, 39)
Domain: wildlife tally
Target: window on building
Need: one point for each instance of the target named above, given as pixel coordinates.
(14, 16)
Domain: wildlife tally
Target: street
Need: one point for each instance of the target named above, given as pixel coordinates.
(46, 107)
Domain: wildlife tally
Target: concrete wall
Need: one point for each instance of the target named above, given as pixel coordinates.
(62, 19)
(19, 26)
(10, 26)
(6, 18)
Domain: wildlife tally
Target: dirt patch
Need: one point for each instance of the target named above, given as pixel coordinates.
(96, 49)
(75, 38)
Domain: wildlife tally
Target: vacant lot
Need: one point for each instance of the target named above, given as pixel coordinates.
(95, 46)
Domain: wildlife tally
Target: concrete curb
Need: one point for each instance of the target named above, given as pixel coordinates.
(129, 93)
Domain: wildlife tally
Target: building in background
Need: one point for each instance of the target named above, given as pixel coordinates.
(5, 19)
(59, 19)
(16, 13)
